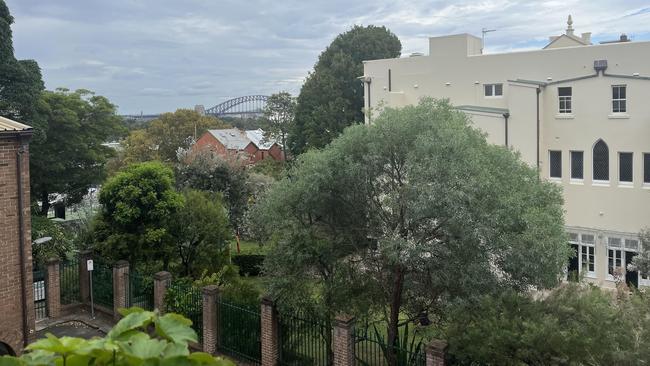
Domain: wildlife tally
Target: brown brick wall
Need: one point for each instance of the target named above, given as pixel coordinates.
(120, 276)
(270, 333)
(11, 319)
(53, 287)
(343, 342)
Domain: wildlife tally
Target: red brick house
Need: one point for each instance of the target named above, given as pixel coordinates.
(250, 145)
(16, 291)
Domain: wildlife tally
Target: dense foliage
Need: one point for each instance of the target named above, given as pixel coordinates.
(279, 114)
(21, 83)
(59, 246)
(140, 338)
(138, 206)
(641, 262)
(401, 216)
(332, 96)
(67, 154)
(200, 233)
(576, 324)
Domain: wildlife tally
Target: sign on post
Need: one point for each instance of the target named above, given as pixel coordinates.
(90, 267)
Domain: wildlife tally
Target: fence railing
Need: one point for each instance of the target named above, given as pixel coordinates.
(186, 300)
(69, 282)
(304, 341)
(40, 291)
(102, 276)
(139, 291)
(371, 349)
(239, 331)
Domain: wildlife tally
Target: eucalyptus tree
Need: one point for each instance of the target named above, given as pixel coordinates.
(399, 217)
(279, 113)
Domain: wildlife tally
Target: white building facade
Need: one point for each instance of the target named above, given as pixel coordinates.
(577, 111)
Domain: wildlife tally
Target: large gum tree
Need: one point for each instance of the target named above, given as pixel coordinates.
(397, 218)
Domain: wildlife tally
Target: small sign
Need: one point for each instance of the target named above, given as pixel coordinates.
(89, 264)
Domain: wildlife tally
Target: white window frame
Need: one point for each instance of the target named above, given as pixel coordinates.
(493, 90)
(624, 86)
(564, 111)
(619, 255)
(590, 247)
(572, 179)
(626, 183)
(550, 152)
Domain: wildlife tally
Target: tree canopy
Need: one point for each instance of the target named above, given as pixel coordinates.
(138, 205)
(398, 217)
(332, 97)
(67, 152)
(20, 80)
(279, 114)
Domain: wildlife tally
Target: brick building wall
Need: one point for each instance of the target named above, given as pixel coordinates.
(11, 307)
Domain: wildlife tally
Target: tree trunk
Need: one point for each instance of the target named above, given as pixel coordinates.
(45, 203)
(393, 322)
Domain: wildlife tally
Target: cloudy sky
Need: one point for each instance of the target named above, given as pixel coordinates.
(159, 55)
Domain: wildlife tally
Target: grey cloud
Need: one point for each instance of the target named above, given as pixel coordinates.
(158, 55)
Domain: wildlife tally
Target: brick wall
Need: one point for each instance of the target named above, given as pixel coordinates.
(11, 318)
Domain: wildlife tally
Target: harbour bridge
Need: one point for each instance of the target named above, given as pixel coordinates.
(244, 107)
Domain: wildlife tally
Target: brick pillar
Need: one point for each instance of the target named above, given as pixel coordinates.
(84, 280)
(53, 288)
(210, 319)
(160, 282)
(436, 353)
(120, 276)
(343, 341)
(270, 333)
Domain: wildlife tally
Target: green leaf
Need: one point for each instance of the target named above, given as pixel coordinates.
(10, 361)
(141, 347)
(62, 346)
(176, 349)
(130, 322)
(176, 328)
(206, 359)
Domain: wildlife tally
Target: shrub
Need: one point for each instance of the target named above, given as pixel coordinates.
(249, 264)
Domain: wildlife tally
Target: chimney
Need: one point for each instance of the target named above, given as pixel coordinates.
(586, 37)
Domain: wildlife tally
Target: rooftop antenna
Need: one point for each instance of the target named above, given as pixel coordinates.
(483, 32)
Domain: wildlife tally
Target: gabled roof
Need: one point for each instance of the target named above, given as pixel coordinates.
(579, 41)
(7, 125)
(231, 138)
(258, 138)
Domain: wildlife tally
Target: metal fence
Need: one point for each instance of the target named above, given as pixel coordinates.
(370, 349)
(240, 331)
(139, 291)
(69, 282)
(39, 285)
(304, 341)
(102, 276)
(187, 300)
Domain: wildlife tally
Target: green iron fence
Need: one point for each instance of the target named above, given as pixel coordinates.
(304, 341)
(139, 291)
(240, 331)
(103, 284)
(69, 281)
(370, 349)
(187, 300)
(39, 285)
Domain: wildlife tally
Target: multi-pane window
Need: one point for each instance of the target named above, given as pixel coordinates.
(619, 98)
(564, 98)
(625, 169)
(646, 168)
(577, 162)
(555, 158)
(601, 161)
(587, 254)
(493, 90)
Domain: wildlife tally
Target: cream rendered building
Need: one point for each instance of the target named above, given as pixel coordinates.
(579, 112)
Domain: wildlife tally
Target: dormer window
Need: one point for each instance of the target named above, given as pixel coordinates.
(493, 90)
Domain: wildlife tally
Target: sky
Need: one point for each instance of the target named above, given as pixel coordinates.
(153, 56)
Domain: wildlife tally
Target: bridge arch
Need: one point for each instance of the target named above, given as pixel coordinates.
(249, 104)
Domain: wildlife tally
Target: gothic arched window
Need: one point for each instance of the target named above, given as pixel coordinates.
(601, 161)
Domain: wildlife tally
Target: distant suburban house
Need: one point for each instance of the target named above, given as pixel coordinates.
(251, 145)
(16, 292)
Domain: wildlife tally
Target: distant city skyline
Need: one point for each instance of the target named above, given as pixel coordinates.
(157, 56)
